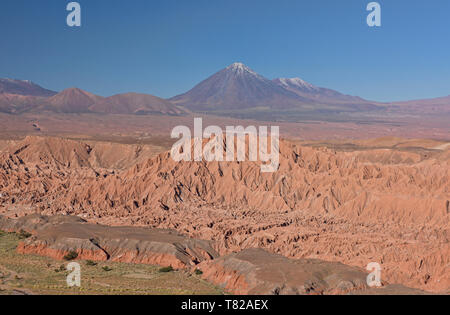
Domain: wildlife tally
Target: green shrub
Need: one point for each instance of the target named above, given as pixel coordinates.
(90, 263)
(198, 272)
(106, 268)
(23, 234)
(166, 269)
(71, 255)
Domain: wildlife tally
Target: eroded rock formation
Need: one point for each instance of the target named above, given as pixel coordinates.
(58, 236)
(257, 272)
(376, 205)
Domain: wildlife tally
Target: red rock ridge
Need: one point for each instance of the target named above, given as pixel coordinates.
(57, 237)
(257, 272)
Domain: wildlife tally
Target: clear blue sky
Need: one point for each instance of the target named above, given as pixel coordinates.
(165, 47)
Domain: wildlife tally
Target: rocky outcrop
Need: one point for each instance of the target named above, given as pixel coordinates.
(257, 272)
(35, 222)
(251, 271)
(58, 236)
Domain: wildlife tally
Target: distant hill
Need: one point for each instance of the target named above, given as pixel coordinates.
(434, 106)
(22, 87)
(18, 97)
(71, 100)
(136, 104)
(316, 94)
(17, 104)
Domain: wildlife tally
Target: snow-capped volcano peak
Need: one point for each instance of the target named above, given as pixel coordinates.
(295, 83)
(240, 68)
(233, 88)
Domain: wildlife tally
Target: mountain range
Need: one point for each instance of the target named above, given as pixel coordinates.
(235, 91)
(239, 88)
(23, 96)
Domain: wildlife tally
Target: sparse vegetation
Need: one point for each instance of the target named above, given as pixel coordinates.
(60, 269)
(106, 268)
(91, 263)
(23, 235)
(71, 255)
(166, 269)
(44, 275)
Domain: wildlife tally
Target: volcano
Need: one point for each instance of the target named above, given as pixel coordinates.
(237, 87)
(71, 100)
(239, 91)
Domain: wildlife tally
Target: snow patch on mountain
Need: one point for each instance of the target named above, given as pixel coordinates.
(296, 83)
(240, 68)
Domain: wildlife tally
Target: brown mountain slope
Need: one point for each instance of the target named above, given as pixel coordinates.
(134, 103)
(319, 95)
(23, 87)
(434, 106)
(71, 100)
(17, 104)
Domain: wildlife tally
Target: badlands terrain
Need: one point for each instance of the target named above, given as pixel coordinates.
(332, 208)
